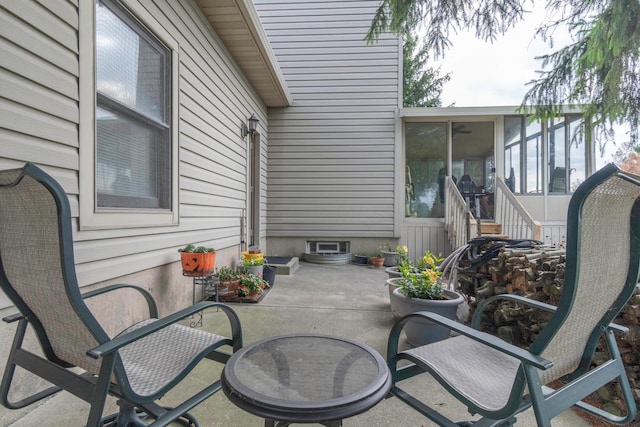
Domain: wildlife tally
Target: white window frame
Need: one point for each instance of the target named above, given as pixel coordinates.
(91, 217)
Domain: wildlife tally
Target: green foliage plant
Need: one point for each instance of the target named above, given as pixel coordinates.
(251, 282)
(429, 261)
(423, 281)
(403, 253)
(226, 274)
(252, 262)
(193, 249)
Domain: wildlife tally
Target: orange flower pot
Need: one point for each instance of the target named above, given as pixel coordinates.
(198, 262)
(377, 262)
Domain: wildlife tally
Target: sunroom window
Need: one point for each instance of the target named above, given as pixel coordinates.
(529, 144)
(133, 113)
(426, 164)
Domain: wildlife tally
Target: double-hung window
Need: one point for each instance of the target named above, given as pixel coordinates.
(134, 128)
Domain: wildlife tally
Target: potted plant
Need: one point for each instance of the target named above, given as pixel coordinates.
(197, 260)
(420, 289)
(361, 259)
(404, 270)
(252, 265)
(255, 253)
(251, 286)
(227, 278)
(403, 258)
(269, 273)
(377, 260)
(391, 256)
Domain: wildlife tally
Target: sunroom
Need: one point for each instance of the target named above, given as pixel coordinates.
(490, 170)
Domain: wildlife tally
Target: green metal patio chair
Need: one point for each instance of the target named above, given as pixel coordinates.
(138, 366)
(498, 380)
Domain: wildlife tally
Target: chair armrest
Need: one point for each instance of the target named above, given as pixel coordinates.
(482, 337)
(618, 329)
(151, 303)
(13, 317)
(475, 321)
(122, 340)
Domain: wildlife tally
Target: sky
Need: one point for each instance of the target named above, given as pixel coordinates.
(495, 74)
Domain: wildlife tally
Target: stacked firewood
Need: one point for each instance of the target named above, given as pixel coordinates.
(538, 273)
(629, 345)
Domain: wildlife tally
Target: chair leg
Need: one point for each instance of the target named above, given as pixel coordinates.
(605, 373)
(12, 362)
(100, 391)
(127, 416)
(538, 401)
(130, 415)
(487, 422)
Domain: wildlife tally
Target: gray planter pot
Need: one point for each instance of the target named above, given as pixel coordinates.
(421, 331)
(390, 258)
(392, 272)
(254, 269)
(392, 286)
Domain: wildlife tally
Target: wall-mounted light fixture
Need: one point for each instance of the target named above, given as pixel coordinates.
(252, 126)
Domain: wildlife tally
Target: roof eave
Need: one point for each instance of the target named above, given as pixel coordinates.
(471, 111)
(238, 25)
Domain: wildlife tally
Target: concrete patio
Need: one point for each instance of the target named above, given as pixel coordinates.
(344, 300)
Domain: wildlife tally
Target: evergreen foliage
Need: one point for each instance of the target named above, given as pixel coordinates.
(599, 69)
(422, 85)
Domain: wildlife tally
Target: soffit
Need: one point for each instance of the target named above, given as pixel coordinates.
(470, 112)
(238, 25)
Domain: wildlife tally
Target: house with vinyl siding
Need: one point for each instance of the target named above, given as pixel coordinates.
(350, 169)
(139, 109)
(320, 166)
(332, 153)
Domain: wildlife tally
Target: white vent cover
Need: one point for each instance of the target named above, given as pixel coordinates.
(327, 247)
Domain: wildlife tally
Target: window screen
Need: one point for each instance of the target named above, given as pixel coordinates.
(133, 114)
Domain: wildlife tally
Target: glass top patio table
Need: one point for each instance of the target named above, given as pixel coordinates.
(305, 379)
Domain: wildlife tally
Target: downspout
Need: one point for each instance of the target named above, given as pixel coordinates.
(243, 228)
(399, 175)
(398, 152)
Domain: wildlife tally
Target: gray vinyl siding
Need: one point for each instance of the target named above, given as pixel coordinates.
(39, 91)
(331, 154)
(39, 122)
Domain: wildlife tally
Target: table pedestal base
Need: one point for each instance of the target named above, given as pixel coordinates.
(272, 423)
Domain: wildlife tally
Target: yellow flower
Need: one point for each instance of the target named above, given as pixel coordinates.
(431, 275)
(429, 261)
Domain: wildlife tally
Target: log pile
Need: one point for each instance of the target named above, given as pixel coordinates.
(538, 273)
